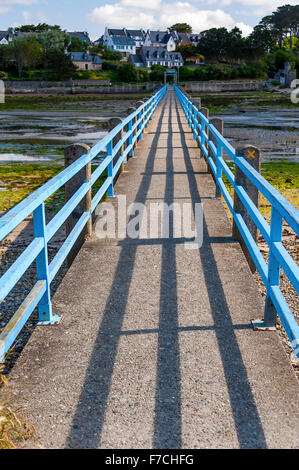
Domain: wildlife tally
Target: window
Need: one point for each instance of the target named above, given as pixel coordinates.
(86, 66)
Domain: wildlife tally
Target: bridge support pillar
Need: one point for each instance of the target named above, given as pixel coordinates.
(71, 154)
(253, 156)
(219, 125)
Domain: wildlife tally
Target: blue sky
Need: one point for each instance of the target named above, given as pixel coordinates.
(94, 15)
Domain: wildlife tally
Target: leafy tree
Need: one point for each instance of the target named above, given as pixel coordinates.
(127, 73)
(26, 52)
(187, 50)
(181, 28)
(77, 45)
(60, 64)
(143, 75)
(41, 27)
(157, 73)
(260, 41)
(53, 40)
(111, 55)
(283, 23)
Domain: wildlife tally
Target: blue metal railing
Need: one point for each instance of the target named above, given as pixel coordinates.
(37, 251)
(281, 210)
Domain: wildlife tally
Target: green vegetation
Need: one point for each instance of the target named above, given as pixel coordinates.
(284, 176)
(61, 102)
(12, 429)
(224, 102)
(17, 181)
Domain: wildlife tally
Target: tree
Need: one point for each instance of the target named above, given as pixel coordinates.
(214, 43)
(60, 64)
(111, 55)
(53, 40)
(26, 52)
(77, 45)
(260, 41)
(40, 28)
(187, 50)
(284, 22)
(127, 73)
(181, 28)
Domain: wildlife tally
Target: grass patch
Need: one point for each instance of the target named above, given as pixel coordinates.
(17, 181)
(44, 103)
(284, 176)
(12, 429)
(222, 101)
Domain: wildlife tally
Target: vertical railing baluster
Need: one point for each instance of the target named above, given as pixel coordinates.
(110, 168)
(131, 138)
(218, 169)
(273, 267)
(45, 314)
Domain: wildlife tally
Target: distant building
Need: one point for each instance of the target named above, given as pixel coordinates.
(85, 61)
(149, 56)
(5, 38)
(84, 36)
(194, 38)
(160, 39)
(137, 35)
(126, 41)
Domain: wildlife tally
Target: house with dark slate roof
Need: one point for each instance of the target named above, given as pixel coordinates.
(149, 56)
(5, 38)
(85, 61)
(160, 39)
(118, 40)
(81, 35)
(137, 35)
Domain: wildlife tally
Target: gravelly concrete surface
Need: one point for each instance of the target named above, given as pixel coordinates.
(155, 348)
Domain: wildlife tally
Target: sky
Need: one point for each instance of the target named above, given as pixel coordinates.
(94, 15)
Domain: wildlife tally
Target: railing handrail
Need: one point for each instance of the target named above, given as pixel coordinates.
(35, 203)
(19, 212)
(282, 209)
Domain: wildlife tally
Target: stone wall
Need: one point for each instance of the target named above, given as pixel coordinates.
(222, 86)
(76, 87)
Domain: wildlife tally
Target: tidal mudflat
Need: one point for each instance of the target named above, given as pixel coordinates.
(38, 130)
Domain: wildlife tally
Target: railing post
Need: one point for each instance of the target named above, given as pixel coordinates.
(138, 104)
(273, 267)
(219, 125)
(253, 156)
(45, 314)
(110, 168)
(131, 122)
(71, 154)
(112, 123)
(205, 112)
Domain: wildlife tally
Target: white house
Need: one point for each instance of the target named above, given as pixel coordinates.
(5, 38)
(160, 39)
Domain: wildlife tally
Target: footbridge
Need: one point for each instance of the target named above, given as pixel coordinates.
(149, 340)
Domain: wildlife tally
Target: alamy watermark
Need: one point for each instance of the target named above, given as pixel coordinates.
(295, 92)
(2, 92)
(152, 221)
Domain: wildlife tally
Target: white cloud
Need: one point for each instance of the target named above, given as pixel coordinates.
(6, 5)
(245, 28)
(159, 15)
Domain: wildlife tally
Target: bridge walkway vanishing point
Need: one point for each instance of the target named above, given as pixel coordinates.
(155, 348)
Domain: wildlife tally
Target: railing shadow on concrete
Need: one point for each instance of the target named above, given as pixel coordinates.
(247, 217)
(240, 394)
(34, 204)
(93, 396)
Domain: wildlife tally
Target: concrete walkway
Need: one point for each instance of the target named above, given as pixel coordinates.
(155, 349)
